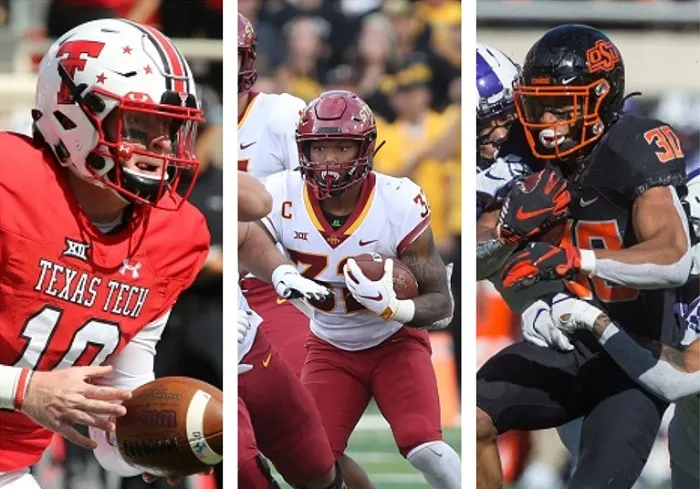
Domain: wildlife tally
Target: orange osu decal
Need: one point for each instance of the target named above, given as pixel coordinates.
(602, 57)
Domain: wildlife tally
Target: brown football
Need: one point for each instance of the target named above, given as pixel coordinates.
(173, 427)
(372, 265)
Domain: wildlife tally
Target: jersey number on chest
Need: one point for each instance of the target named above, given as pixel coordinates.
(593, 235)
(315, 265)
(91, 344)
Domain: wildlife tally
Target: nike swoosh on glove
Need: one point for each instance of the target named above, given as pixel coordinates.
(540, 329)
(243, 325)
(541, 261)
(289, 283)
(534, 205)
(571, 314)
(378, 296)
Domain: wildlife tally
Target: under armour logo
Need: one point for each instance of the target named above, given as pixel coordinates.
(127, 267)
(76, 249)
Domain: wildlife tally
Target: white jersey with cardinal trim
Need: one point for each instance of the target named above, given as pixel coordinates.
(390, 214)
(266, 134)
(255, 321)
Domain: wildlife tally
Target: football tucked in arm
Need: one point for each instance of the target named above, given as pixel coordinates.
(173, 427)
(372, 265)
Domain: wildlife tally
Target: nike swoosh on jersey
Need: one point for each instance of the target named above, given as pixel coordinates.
(246, 146)
(365, 243)
(586, 203)
(266, 362)
(523, 215)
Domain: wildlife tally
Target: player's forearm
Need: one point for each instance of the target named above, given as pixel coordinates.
(430, 309)
(491, 255)
(254, 201)
(259, 255)
(667, 374)
(648, 265)
(13, 386)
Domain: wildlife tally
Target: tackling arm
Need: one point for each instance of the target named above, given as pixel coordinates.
(668, 373)
(423, 259)
(662, 257)
(491, 252)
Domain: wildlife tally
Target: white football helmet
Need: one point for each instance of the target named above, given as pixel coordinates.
(495, 75)
(116, 103)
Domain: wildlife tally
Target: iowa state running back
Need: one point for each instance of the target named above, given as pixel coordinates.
(365, 342)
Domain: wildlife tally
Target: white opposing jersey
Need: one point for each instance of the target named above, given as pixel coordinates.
(266, 134)
(684, 432)
(255, 321)
(390, 214)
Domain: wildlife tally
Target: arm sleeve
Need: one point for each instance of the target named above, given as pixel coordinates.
(657, 376)
(133, 367)
(412, 212)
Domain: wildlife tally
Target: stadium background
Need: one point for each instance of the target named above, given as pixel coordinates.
(403, 57)
(27, 28)
(660, 45)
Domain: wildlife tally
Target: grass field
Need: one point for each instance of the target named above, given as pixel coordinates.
(372, 446)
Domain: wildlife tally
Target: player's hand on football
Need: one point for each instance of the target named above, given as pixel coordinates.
(540, 329)
(534, 205)
(173, 481)
(377, 296)
(571, 314)
(290, 284)
(60, 398)
(541, 261)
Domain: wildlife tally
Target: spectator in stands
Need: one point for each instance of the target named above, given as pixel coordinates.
(305, 68)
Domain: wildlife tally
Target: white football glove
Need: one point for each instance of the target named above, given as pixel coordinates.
(289, 283)
(243, 329)
(380, 296)
(571, 314)
(243, 325)
(540, 329)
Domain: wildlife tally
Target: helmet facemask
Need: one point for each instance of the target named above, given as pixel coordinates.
(331, 178)
(559, 121)
(152, 143)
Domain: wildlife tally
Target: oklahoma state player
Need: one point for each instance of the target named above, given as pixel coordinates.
(92, 253)
(336, 208)
(626, 248)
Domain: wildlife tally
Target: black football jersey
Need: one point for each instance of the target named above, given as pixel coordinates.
(636, 154)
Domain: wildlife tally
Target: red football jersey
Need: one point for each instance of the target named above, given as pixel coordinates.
(70, 295)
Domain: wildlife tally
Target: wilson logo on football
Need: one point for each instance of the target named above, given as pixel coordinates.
(602, 57)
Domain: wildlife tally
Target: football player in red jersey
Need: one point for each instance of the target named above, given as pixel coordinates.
(95, 244)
